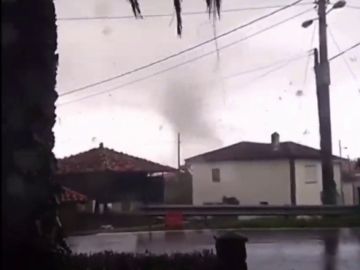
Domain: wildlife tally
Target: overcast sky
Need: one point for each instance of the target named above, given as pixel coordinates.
(202, 100)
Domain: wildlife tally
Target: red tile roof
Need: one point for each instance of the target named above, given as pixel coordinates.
(69, 195)
(102, 159)
(258, 151)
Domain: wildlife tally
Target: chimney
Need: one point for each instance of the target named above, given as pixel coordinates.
(275, 141)
(101, 145)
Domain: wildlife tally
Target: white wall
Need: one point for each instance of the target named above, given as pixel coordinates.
(356, 193)
(338, 182)
(351, 194)
(249, 181)
(309, 193)
(125, 206)
(348, 191)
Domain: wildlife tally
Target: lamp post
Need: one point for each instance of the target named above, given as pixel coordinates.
(322, 75)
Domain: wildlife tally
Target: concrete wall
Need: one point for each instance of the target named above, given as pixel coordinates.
(308, 184)
(308, 177)
(251, 182)
(339, 183)
(351, 193)
(348, 193)
(357, 193)
(125, 206)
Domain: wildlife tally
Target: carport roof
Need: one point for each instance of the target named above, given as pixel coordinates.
(103, 159)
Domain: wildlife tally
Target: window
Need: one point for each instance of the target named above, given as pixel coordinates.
(215, 175)
(310, 174)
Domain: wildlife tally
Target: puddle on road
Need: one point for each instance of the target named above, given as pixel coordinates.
(280, 250)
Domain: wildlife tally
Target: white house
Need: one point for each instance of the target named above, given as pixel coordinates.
(351, 182)
(273, 173)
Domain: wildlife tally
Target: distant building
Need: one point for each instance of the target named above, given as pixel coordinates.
(112, 181)
(276, 173)
(351, 182)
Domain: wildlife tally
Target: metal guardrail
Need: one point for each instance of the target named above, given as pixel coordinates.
(234, 210)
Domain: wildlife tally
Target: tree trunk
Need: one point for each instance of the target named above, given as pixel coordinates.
(29, 64)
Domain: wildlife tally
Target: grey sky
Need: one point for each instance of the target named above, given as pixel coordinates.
(197, 99)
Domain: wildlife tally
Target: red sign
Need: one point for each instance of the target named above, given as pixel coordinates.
(174, 220)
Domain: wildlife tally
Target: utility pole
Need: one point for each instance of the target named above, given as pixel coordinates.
(178, 150)
(340, 149)
(322, 72)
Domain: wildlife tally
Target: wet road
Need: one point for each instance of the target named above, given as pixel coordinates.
(267, 249)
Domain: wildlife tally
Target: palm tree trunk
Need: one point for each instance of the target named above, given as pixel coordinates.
(29, 65)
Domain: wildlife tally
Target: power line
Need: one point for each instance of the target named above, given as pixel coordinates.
(278, 67)
(345, 60)
(353, 7)
(188, 61)
(277, 63)
(190, 13)
(180, 52)
(345, 51)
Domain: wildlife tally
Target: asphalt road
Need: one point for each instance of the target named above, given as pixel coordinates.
(335, 249)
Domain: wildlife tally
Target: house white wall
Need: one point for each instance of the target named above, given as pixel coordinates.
(251, 182)
(348, 192)
(357, 193)
(125, 206)
(351, 192)
(308, 178)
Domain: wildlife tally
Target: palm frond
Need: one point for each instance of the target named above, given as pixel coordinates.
(213, 6)
(218, 7)
(177, 6)
(136, 8)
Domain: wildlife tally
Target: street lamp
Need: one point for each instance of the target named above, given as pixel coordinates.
(322, 77)
(307, 23)
(337, 5)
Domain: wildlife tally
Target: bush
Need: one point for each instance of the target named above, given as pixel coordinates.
(205, 260)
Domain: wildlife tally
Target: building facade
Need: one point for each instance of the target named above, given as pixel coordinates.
(351, 182)
(260, 174)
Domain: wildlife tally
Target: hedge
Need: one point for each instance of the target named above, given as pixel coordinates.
(205, 260)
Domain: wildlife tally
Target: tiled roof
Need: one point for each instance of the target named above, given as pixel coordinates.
(103, 159)
(258, 151)
(69, 195)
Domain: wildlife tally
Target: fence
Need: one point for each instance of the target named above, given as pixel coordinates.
(231, 210)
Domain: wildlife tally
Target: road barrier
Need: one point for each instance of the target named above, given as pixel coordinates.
(235, 210)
